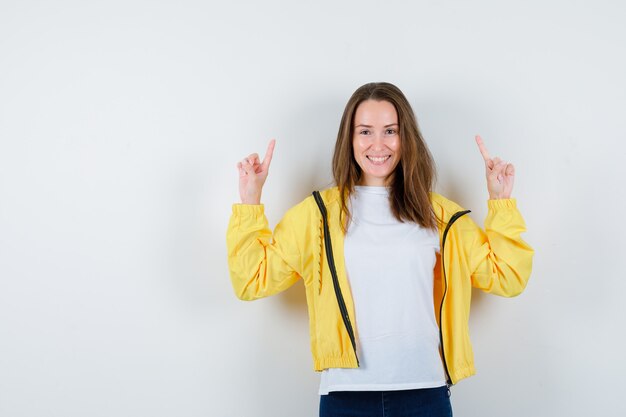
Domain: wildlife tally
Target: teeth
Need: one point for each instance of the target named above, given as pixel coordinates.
(378, 158)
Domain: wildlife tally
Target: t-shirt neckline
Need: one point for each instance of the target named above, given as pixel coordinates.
(372, 189)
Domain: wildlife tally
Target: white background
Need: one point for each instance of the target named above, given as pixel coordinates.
(120, 126)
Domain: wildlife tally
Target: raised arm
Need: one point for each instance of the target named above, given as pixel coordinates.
(501, 259)
(261, 262)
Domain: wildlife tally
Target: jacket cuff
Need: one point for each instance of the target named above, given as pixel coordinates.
(502, 204)
(255, 210)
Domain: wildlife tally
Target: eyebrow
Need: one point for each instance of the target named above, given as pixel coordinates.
(362, 125)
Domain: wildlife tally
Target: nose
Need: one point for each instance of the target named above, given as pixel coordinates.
(378, 140)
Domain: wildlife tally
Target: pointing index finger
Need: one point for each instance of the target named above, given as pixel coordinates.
(482, 148)
(269, 153)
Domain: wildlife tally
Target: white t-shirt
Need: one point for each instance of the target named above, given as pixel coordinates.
(390, 268)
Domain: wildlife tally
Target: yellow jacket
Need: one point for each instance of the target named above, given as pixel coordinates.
(263, 263)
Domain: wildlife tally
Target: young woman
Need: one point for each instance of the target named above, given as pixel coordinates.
(387, 264)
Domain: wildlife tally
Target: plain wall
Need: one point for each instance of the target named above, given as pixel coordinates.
(120, 126)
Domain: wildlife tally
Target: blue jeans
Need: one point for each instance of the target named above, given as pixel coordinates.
(431, 402)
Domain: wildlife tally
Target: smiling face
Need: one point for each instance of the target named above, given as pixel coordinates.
(376, 141)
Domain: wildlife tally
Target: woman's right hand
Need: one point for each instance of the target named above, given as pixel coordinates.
(252, 175)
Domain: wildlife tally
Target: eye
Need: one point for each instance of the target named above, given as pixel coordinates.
(391, 131)
(364, 132)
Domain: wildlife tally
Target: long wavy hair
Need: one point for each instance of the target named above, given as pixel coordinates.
(414, 176)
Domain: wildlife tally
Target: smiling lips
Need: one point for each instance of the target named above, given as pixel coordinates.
(378, 160)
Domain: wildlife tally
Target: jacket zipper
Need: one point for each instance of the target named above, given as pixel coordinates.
(333, 272)
(454, 218)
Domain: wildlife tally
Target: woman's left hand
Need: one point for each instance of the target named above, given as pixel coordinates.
(500, 174)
